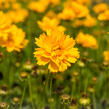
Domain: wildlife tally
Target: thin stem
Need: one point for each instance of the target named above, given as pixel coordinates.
(94, 103)
(30, 92)
(64, 106)
(50, 86)
(23, 96)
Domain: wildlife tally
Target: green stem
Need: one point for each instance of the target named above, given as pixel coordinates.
(23, 96)
(64, 106)
(94, 103)
(30, 92)
(50, 87)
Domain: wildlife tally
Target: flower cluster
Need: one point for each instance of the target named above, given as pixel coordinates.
(103, 10)
(72, 10)
(11, 37)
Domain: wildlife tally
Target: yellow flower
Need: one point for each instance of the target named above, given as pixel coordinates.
(16, 5)
(86, 40)
(39, 6)
(104, 16)
(4, 25)
(20, 13)
(15, 39)
(73, 9)
(57, 50)
(89, 21)
(67, 14)
(80, 10)
(4, 22)
(100, 7)
(4, 4)
(106, 55)
(50, 23)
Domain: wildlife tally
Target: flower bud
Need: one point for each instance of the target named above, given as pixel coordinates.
(65, 99)
(3, 105)
(16, 100)
(23, 75)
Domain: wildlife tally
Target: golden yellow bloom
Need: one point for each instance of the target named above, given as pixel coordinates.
(86, 40)
(4, 25)
(67, 14)
(39, 6)
(4, 22)
(57, 50)
(16, 5)
(80, 10)
(106, 55)
(20, 13)
(73, 9)
(89, 21)
(50, 23)
(15, 39)
(100, 8)
(4, 4)
(104, 16)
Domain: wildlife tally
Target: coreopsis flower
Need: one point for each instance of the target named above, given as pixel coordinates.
(89, 21)
(106, 55)
(104, 16)
(20, 13)
(4, 4)
(86, 40)
(50, 23)
(67, 14)
(57, 50)
(80, 10)
(73, 10)
(39, 6)
(16, 6)
(100, 8)
(15, 39)
(4, 25)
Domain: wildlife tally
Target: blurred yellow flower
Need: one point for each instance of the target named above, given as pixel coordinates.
(18, 15)
(89, 21)
(50, 23)
(73, 10)
(67, 14)
(4, 25)
(15, 39)
(16, 5)
(39, 6)
(86, 40)
(57, 50)
(4, 22)
(80, 10)
(4, 4)
(106, 55)
(101, 7)
(104, 16)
